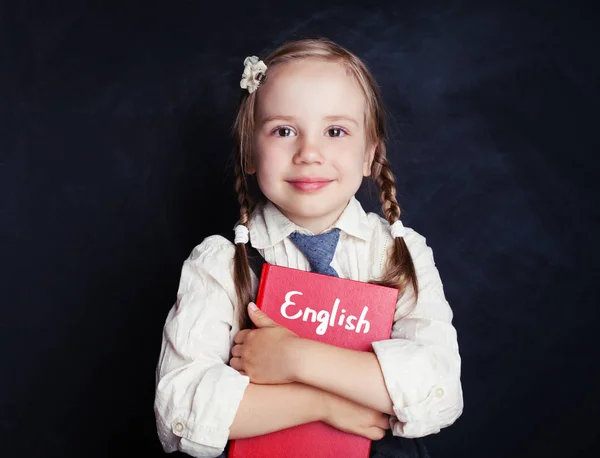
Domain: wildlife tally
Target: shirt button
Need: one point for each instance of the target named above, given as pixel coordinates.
(178, 427)
(439, 393)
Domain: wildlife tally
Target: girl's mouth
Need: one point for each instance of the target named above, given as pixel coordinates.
(309, 184)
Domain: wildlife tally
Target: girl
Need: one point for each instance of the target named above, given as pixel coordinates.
(310, 126)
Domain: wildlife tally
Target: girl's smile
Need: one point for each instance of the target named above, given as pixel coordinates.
(309, 184)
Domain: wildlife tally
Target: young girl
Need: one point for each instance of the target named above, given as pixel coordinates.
(310, 126)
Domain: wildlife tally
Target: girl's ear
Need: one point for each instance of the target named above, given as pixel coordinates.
(369, 157)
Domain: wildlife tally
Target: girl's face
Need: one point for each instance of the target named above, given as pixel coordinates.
(310, 145)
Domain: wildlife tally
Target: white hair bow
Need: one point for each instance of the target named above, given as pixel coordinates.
(254, 73)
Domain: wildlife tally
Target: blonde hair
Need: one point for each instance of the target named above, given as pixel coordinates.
(400, 270)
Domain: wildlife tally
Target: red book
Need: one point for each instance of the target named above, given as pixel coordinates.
(342, 312)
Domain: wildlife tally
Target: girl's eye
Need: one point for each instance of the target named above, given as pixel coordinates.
(336, 132)
(283, 132)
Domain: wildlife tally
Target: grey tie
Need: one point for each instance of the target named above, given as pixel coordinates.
(318, 249)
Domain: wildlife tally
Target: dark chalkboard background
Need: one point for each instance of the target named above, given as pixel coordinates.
(114, 144)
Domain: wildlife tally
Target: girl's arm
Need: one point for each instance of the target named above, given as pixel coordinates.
(268, 408)
(415, 375)
(197, 394)
(272, 354)
(200, 401)
(352, 374)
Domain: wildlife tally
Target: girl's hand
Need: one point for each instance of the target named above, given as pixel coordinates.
(354, 418)
(261, 353)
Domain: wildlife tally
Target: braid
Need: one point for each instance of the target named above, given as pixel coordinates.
(242, 279)
(386, 183)
(400, 271)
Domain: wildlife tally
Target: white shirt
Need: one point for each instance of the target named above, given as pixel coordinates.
(198, 394)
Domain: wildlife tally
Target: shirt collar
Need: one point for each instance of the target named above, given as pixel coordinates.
(268, 226)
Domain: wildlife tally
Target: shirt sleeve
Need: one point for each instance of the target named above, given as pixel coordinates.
(421, 363)
(197, 393)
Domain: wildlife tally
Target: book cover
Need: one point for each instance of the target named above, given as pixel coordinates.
(342, 312)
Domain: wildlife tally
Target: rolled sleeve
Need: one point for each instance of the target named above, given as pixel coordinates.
(197, 393)
(421, 363)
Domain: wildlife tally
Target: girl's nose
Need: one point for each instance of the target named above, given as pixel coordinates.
(308, 153)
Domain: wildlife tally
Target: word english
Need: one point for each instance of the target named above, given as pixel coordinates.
(326, 318)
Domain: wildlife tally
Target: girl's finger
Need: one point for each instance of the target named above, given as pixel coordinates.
(241, 336)
(236, 351)
(236, 363)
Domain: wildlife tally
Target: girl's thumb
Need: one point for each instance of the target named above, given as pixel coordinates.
(258, 317)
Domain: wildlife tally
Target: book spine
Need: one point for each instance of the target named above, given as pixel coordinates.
(262, 286)
(231, 452)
